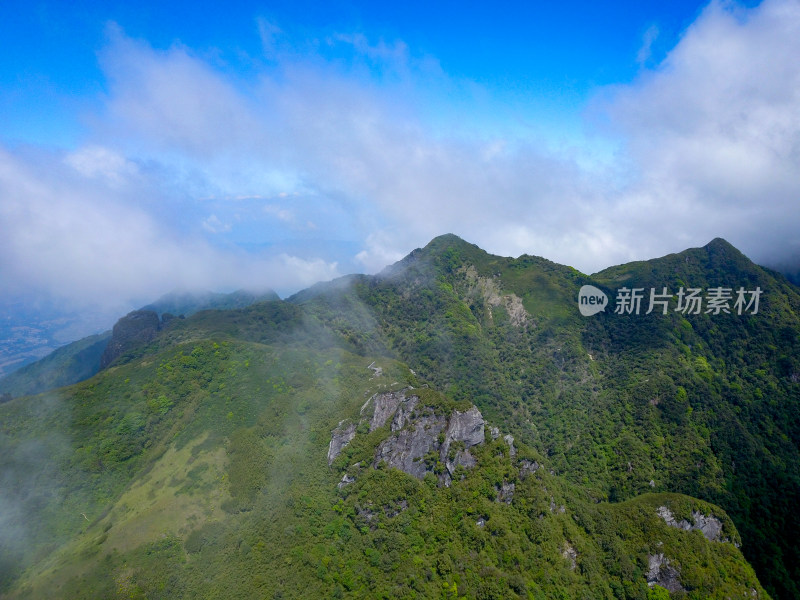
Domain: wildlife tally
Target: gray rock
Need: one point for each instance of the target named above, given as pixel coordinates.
(526, 467)
(462, 459)
(464, 427)
(386, 404)
(494, 432)
(660, 572)
(710, 525)
(366, 513)
(340, 437)
(378, 371)
(135, 329)
(406, 449)
(404, 412)
(670, 520)
(414, 436)
(570, 554)
(346, 480)
(510, 441)
(506, 492)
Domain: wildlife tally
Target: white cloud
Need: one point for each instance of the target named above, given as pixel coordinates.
(270, 35)
(78, 238)
(172, 100)
(214, 225)
(710, 139)
(710, 135)
(646, 49)
(97, 161)
(279, 213)
(381, 250)
(714, 130)
(394, 55)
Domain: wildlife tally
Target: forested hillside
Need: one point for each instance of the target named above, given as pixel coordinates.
(611, 456)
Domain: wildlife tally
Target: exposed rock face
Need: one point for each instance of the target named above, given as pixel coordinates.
(708, 524)
(404, 411)
(385, 406)
(340, 437)
(489, 291)
(462, 459)
(526, 467)
(570, 554)
(510, 441)
(420, 438)
(464, 427)
(660, 572)
(506, 492)
(135, 329)
(406, 450)
(346, 480)
(422, 441)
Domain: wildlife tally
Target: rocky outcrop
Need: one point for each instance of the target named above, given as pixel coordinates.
(346, 480)
(340, 437)
(134, 329)
(526, 467)
(422, 440)
(505, 493)
(384, 406)
(488, 289)
(404, 411)
(661, 572)
(466, 427)
(512, 451)
(407, 449)
(710, 525)
(570, 554)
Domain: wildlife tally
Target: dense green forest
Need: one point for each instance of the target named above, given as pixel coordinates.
(196, 464)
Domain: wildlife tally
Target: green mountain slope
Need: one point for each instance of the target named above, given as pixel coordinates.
(80, 360)
(260, 452)
(701, 404)
(67, 365)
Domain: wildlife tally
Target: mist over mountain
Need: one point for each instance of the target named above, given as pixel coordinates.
(81, 359)
(450, 427)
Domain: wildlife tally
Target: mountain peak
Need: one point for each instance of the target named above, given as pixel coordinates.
(444, 250)
(719, 242)
(721, 246)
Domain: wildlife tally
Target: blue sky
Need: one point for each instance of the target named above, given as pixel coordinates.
(152, 146)
(541, 58)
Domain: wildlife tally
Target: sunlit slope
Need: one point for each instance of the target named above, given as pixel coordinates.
(201, 471)
(622, 404)
(197, 464)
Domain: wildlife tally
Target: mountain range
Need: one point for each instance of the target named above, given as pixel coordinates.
(451, 427)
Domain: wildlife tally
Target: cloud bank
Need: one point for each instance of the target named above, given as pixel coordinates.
(191, 172)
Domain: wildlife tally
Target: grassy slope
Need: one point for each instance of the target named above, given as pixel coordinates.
(223, 491)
